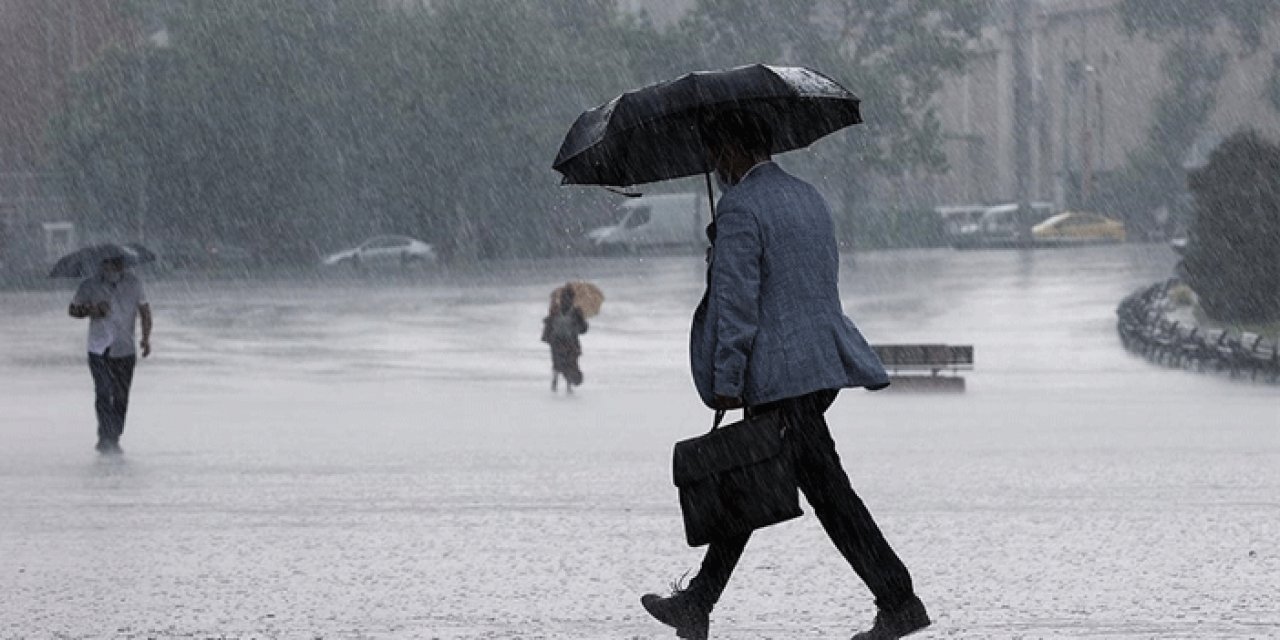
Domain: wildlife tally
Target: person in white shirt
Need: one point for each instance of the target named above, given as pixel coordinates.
(113, 301)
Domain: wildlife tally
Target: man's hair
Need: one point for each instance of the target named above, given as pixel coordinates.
(737, 128)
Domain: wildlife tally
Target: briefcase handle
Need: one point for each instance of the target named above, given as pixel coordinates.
(720, 413)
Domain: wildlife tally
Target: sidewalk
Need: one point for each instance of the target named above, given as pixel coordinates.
(403, 510)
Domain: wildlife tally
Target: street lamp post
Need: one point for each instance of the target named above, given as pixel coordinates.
(144, 168)
(1086, 134)
(158, 38)
(1022, 116)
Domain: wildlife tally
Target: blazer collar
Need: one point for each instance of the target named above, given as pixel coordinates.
(753, 170)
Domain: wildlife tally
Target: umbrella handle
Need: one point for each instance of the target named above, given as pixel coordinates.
(626, 194)
(711, 199)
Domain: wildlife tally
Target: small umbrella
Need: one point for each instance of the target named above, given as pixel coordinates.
(87, 261)
(652, 134)
(587, 297)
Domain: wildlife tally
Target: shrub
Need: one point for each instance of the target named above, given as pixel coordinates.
(1233, 258)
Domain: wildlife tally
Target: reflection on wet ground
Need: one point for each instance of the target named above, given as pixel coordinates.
(381, 458)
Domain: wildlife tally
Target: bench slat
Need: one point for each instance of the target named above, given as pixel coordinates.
(925, 356)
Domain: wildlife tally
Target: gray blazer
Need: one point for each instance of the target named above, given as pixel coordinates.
(770, 325)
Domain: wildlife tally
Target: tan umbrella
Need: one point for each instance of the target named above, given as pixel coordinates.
(587, 297)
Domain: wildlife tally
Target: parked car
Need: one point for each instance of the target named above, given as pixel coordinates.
(996, 227)
(958, 219)
(384, 250)
(1076, 227)
(654, 222)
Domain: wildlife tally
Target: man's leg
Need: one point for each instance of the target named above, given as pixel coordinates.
(101, 395)
(722, 556)
(841, 512)
(689, 609)
(120, 379)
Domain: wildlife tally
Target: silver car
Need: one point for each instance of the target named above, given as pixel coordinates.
(385, 250)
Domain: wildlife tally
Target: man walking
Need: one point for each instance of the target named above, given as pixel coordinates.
(113, 300)
(771, 335)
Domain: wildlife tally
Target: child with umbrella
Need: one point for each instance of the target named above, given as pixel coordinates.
(565, 321)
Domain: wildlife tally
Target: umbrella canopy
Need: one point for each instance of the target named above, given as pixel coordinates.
(587, 297)
(87, 261)
(652, 134)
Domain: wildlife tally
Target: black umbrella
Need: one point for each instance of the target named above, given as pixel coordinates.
(652, 134)
(87, 261)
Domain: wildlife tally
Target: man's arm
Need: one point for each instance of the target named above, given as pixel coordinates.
(144, 313)
(81, 307)
(735, 278)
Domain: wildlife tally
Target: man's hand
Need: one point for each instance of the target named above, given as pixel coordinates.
(100, 310)
(146, 347)
(725, 403)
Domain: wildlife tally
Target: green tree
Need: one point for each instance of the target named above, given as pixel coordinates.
(102, 163)
(505, 94)
(894, 54)
(295, 125)
(1233, 261)
(228, 131)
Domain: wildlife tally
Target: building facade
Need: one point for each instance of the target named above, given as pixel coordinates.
(1094, 89)
(43, 43)
(1093, 92)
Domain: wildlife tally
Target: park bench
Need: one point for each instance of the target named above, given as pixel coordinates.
(1164, 341)
(1189, 348)
(917, 366)
(1254, 353)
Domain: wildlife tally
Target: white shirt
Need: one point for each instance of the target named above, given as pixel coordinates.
(115, 331)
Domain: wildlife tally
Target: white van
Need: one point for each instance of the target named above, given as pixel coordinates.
(1002, 219)
(649, 223)
(995, 227)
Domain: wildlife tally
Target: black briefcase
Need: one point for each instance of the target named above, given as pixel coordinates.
(736, 479)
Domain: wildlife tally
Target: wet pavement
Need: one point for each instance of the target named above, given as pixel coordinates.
(381, 458)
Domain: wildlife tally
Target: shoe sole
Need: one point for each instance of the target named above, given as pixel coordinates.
(685, 633)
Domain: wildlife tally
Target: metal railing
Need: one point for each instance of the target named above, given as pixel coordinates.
(1146, 330)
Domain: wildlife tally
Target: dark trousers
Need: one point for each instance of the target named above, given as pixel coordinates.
(112, 378)
(564, 360)
(840, 510)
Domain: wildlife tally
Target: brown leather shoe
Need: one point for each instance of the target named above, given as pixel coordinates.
(898, 623)
(680, 611)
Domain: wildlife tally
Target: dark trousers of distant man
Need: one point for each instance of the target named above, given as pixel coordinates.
(839, 509)
(112, 378)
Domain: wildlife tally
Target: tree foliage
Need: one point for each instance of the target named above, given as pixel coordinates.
(894, 54)
(296, 126)
(1233, 262)
(293, 126)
